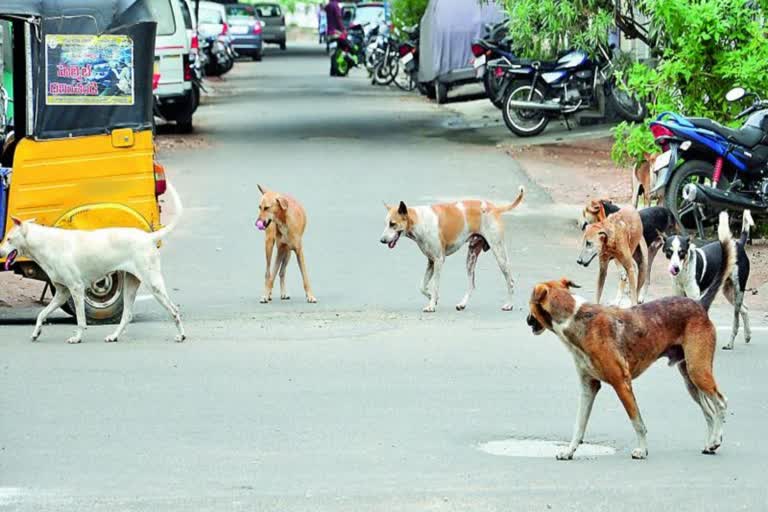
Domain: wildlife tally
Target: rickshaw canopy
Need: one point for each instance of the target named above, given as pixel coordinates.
(91, 64)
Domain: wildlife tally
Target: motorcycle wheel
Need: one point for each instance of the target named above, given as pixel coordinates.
(385, 71)
(629, 107)
(492, 85)
(524, 123)
(339, 63)
(405, 81)
(692, 216)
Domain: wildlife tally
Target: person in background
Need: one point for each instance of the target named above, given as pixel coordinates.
(335, 25)
(322, 26)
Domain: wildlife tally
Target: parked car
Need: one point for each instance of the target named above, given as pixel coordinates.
(272, 17)
(176, 99)
(246, 30)
(214, 30)
(370, 13)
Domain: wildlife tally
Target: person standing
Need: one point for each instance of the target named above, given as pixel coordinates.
(335, 26)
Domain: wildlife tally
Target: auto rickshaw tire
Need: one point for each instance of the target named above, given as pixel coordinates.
(431, 91)
(185, 126)
(282, 45)
(441, 92)
(111, 296)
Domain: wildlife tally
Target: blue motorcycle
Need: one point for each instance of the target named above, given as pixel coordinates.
(706, 167)
(537, 91)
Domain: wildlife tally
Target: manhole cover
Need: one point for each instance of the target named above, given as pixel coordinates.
(541, 448)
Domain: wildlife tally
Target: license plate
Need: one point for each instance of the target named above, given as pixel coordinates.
(662, 161)
(479, 61)
(240, 29)
(405, 59)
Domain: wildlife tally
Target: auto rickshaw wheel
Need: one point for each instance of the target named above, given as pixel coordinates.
(103, 300)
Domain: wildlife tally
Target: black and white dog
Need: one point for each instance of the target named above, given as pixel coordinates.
(693, 269)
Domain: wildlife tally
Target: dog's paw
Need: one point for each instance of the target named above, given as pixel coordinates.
(110, 339)
(311, 299)
(74, 340)
(639, 453)
(285, 296)
(264, 299)
(36, 335)
(565, 455)
(179, 338)
(728, 346)
(461, 307)
(506, 307)
(429, 309)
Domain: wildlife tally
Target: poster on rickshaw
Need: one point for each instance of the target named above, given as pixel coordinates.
(89, 70)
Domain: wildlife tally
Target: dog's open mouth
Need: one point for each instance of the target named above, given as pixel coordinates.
(392, 243)
(674, 271)
(11, 259)
(262, 225)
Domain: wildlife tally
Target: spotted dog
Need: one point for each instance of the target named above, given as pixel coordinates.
(442, 229)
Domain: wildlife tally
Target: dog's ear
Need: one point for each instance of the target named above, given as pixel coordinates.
(402, 209)
(604, 234)
(386, 206)
(16, 221)
(283, 202)
(568, 283)
(540, 292)
(662, 235)
(262, 189)
(647, 157)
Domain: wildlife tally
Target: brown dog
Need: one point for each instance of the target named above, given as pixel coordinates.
(642, 180)
(617, 237)
(617, 345)
(284, 220)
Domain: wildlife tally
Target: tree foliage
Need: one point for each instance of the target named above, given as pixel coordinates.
(702, 48)
(408, 12)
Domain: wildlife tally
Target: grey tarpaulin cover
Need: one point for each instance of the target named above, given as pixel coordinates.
(448, 28)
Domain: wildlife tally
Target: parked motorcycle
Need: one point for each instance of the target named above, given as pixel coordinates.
(408, 52)
(706, 167)
(536, 91)
(493, 55)
(219, 55)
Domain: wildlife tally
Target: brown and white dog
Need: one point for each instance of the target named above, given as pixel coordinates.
(615, 346)
(440, 230)
(617, 237)
(284, 220)
(643, 180)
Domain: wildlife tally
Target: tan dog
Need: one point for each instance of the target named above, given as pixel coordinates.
(617, 238)
(642, 180)
(440, 230)
(284, 220)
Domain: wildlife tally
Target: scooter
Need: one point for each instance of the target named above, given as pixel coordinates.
(706, 167)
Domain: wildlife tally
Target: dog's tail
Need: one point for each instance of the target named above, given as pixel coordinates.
(729, 260)
(178, 209)
(746, 224)
(514, 204)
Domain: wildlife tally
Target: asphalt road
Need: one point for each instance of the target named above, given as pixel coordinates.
(359, 402)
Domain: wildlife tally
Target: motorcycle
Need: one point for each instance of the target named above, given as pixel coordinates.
(348, 50)
(706, 167)
(493, 55)
(408, 52)
(536, 91)
(218, 55)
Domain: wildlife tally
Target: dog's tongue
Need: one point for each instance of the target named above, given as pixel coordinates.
(261, 225)
(10, 259)
(673, 270)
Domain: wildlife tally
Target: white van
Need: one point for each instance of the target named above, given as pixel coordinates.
(176, 96)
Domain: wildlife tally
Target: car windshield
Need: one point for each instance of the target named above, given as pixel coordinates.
(268, 11)
(210, 16)
(241, 11)
(163, 13)
(369, 14)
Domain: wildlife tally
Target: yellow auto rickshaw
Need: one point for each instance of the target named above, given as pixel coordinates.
(79, 151)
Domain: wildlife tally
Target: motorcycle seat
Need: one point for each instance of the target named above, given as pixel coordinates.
(747, 136)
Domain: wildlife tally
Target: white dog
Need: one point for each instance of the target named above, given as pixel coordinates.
(74, 259)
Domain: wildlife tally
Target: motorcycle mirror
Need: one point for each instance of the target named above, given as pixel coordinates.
(735, 94)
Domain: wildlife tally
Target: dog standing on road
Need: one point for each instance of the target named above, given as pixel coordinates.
(693, 270)
(74, 259)
(615, 346)
(440, 230)
(618, 237)
(284, 221)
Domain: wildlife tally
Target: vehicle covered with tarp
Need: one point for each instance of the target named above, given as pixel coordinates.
(448, 28)
(79, 153)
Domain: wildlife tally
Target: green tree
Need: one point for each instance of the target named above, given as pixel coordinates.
(408, 12)
(701, 49)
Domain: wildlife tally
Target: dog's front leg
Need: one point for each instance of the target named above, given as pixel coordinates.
(601, 274)
(59, 299)
(78, 295)
(427, 277)
(434, 285)
(623, 389)
(589, 389)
